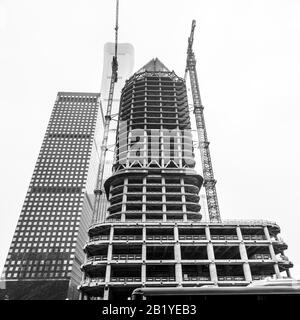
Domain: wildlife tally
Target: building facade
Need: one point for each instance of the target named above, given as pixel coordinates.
(45, 255)
(153, 234)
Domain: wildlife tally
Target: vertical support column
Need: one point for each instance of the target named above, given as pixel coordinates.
(144, 257)
(267, 234)
(239, 233)
(144, 194)
(272, 252)
(145, 146)
(164, 200)
(277, 271)
(177, 256)
(124, 199)
(207, 233)
(244, 256)
(274, 258)
(180, 155)
(144, 200)
(109, 256)
(106, 293)
(211, 257)
(183, 199)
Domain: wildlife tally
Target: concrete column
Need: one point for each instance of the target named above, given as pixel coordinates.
(164, 217)
(106, 294)
(178, 273)
(144, 257)
(274, 258)
(107, 273)
(212, 265)
(210, 252)
(277, 271)
(109, 256)
(163, 190)
(144, 194)
(176, 233)
(111, 234)
(180, 154)
(213, 272)
(144, 253)
(243, 252)
(143, 276)
(124, 197)
(177, 256)
(272, 252)
(247, 271)
(207, 233)
(183, 197)
(145, 148)
(244, 257)
(239, 233)
(267, 234)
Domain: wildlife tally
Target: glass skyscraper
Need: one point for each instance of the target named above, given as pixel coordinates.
(46, 251)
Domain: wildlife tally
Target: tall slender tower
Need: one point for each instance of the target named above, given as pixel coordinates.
(45, 255)
(153, 234)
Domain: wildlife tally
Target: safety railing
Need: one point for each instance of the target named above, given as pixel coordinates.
(160, 279)
(128, 237)
(125, 279)
(195, 278)
(97, 258)
(192, 237)
(233, 278)
(260, 256)
(127, 257)
(158, 237)
(224, 237)
(202, 222)
(261, 277)
(102, 237)
(88, 280)
(254, 237)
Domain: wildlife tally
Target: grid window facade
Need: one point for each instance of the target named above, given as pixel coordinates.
(46, 239)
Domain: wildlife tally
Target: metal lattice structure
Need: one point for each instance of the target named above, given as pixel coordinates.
(208, 175)
(114, 78)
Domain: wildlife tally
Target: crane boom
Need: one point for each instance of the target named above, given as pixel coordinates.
(208, 175)
(114, 78)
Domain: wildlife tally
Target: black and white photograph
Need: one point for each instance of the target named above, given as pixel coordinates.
(150, 153)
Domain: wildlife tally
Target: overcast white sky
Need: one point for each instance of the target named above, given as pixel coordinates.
(248, 68)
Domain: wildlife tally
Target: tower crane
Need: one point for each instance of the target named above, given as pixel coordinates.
(114, 78)
(208, 175)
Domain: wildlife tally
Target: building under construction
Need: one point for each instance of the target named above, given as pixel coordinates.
(149, 231)
(153, 235)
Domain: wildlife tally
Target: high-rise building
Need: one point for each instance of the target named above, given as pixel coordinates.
(153, 234)
(45, 255)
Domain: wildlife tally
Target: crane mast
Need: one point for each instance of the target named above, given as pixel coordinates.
(208, 175)
(114, 78)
